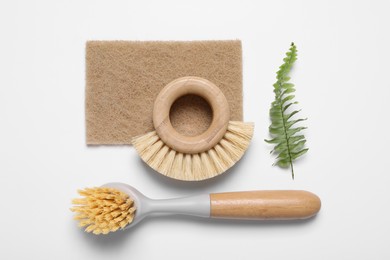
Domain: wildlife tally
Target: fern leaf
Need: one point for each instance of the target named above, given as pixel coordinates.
(289, 144)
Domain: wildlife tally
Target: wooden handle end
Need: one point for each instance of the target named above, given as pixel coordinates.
(278, 205)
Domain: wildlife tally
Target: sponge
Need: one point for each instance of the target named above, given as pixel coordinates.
(123, 79)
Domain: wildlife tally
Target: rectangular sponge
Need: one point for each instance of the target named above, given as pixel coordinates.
(124, 77)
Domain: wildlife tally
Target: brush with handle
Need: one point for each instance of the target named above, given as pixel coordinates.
(117, 206)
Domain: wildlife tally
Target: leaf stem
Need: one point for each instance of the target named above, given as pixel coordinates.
(287, 141)
(292, 169)
(284, 121)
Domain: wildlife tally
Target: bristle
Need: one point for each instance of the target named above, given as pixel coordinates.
(149, 154)
(224, 158)
(234, 152)
(215, 159)
(207, 166)
(195, 166)
(159, 157)
(177, 167)
(236, 140)
(187, 166)
(167, 163)
(244, 130)
(143, 142)
(103, 210)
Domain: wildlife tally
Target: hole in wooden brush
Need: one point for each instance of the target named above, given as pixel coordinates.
(191, 115)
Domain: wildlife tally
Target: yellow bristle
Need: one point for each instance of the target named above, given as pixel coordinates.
(103, 210)
(79, 201)
(103, 225)
(113, 214)
(105, 231)
(118, 219)
(123, 223)
(91, 228)
(131, 212)
(124, 207)
(113, 229)
(84, 223)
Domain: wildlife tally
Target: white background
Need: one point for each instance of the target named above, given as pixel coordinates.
(342, 80)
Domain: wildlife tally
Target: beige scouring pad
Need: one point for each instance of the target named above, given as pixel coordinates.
(124, 78)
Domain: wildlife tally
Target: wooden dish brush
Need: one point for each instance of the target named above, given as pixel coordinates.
(117, 206)
(193, 158)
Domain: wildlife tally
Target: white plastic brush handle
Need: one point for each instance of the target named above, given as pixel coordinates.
(260, 205)
(195, 206)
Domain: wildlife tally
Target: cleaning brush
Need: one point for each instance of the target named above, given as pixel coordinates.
(119, 206)
(103, 209)
(199, 157)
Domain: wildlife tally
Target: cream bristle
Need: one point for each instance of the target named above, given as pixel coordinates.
(224, 158)
(187, 166)
(166, 164)
(159, 158)
(232, 150)
(243, 130)
(149, 153)
(103, 210)
(200, 166)
(215, 159)
(237, 141)
(197, 164)
(207, 166)
(143, 142)
(177, 167)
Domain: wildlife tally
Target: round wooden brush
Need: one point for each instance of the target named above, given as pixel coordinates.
(193, 158)
(117, 206)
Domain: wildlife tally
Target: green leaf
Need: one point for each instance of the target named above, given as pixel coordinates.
(273, 141)
(276, 130)
(280, 148)
(284, 100)
(289, 124)
(295, 148)
(288, 91)
(298, 154)
(288, 116)
(288, 143)
(292, 131)
(287, 106)
(296, 138)
(284, 163)
(287, 85)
